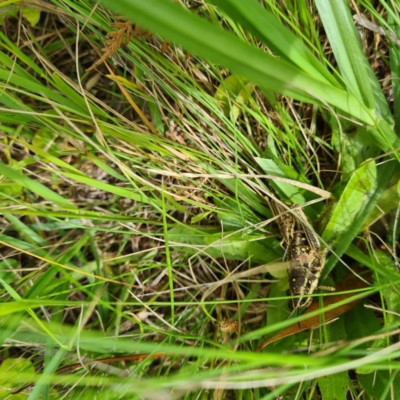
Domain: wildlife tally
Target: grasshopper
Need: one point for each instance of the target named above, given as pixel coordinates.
(306, 259)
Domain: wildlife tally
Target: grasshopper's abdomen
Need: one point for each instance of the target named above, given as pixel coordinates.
(305, 254)
(302, 283)
(305, 267)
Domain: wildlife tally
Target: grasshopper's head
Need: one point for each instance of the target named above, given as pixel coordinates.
(302, 284)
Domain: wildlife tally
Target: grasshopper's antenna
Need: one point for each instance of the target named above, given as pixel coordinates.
(298, 322)
(292, 312)
(295, 311)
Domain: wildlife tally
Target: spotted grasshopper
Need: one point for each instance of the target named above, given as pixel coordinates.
(305, 257)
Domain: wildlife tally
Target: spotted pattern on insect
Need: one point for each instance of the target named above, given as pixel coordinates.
(306, 260)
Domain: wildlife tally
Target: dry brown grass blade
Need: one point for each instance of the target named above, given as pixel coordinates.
(312, 322)
(131, 101)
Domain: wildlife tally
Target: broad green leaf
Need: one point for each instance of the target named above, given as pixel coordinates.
(335, 386)
(379, 383)
(345, 42)
(34, 186)
(350, 203)
(385, 173)
(32, 15)
(384, 136)
(361, 322)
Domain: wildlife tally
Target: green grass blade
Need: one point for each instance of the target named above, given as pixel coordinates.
(34, 186)
(28, 234)
(211, 42)
(354, 67)
(43, 382)
(265, 26)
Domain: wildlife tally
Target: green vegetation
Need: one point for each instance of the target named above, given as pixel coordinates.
(139, 256)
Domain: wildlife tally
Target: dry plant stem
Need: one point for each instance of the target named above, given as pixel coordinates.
(366, 23)
(114, 42)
